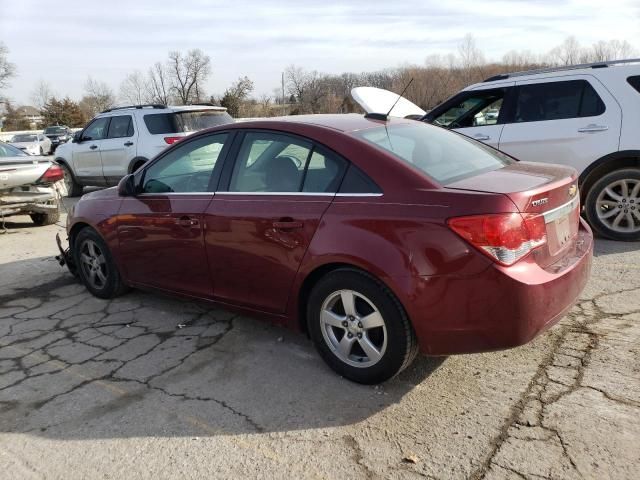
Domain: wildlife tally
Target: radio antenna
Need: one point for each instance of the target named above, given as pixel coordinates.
(399, 97)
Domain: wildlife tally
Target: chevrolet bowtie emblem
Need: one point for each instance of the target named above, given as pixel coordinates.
(573, 189)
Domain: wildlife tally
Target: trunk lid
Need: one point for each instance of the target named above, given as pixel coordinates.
(543, 189)
(18, 171)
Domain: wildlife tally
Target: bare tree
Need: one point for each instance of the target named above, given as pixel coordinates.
(188, 74)
(159, 85)
(295, 81)
(98, 97)
(471, 58)
(7, 69)
(134, 89)
(41, 94)
(568, 53)
(236, 94)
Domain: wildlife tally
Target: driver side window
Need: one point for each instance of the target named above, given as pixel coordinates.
(473, 109)
(97, 130)
(187, 169)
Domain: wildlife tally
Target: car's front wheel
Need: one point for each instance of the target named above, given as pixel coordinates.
(359, 327)
(96, 267)
(74, 189)
(612, 205)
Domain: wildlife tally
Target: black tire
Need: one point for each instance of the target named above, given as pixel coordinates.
(74, 189)
(112, 286)
(401, 344)
(136, 166)
(591, 205)
(41, 219)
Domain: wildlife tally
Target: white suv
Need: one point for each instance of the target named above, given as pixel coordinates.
(120, 140)
(585, 116)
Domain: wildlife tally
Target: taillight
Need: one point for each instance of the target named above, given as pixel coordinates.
(172, 140)
(504, 237)
(53, 174)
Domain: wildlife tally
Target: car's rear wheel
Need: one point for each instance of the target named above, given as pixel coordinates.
(96, 267)
(74, 189)
(612, 205)
(359, 327)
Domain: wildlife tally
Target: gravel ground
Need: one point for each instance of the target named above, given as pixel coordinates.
(147, 386)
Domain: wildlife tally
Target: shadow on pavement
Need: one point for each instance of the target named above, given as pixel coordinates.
(607, 247)
(73, 366)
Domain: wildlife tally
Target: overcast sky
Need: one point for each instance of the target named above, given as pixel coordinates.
(63, 42)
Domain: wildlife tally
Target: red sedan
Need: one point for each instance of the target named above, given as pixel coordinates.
(379, 238)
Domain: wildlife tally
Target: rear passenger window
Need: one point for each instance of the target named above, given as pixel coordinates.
(324, 173)
(556, 101)
(158, 123)
(356, 181)
(634, 82)
(120, 127)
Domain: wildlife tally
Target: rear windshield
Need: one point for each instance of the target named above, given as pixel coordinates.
(54, 130)
(443, 155)
(190, 121)
(24, 138)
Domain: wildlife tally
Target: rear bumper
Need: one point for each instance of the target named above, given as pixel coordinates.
(18, 202)
(502, 307)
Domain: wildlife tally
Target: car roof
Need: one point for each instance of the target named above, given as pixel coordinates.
(341, 122)
(611, 68)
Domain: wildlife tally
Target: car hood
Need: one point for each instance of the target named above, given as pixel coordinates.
(23, 144)
(107, 193)
(377, 100)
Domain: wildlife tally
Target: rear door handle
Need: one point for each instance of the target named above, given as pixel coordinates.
(481, 137)
(93, 147)
(592, 128)
(287, 224)
(128, 144)
(187, 221)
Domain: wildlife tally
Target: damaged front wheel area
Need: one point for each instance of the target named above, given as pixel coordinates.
(66, 258)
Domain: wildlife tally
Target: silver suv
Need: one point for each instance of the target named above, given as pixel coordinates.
(119, 140)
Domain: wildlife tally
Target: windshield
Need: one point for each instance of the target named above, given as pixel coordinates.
(10, 151)
(190, 121)
(55, 130)
(445, 156)
(24, 138)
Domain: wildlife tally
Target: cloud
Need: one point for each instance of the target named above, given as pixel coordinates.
(63, 43)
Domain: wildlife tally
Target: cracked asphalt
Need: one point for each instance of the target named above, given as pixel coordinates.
(147, 386)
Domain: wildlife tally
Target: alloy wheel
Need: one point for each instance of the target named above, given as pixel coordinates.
(353, 328)
(94, 264)
(618, 205)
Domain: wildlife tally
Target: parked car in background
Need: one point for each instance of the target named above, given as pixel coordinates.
(31, 143)
(58, 134)
(120, 140)
(364, 232)
(584, 116)
(28, 186)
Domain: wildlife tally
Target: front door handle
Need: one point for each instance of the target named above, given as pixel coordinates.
(187, 221)
(286, 224)
(93, 147)
(128, 144)
(481, 137)
(592, 128)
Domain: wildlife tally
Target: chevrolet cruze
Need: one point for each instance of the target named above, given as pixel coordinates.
(381, 238)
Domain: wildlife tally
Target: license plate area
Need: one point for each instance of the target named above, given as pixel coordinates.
(562, 228)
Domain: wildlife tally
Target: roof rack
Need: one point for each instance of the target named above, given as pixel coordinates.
(504, 76)
(146, 105)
